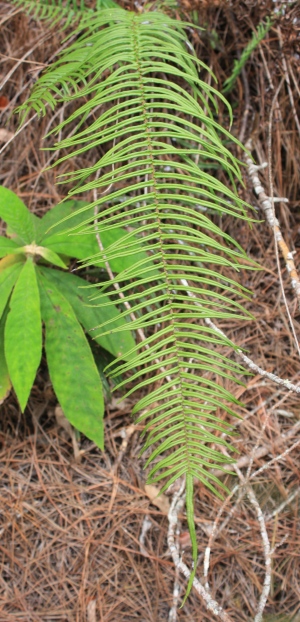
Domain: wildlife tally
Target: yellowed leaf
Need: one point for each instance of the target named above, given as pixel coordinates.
(9, 260)
(5, 390)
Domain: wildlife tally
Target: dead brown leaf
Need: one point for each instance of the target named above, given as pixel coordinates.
(162, 502)
(5, 135)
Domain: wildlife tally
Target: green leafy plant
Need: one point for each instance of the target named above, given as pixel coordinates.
(32, 293)
(141, 103)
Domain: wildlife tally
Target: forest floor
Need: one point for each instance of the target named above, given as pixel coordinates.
(80, 538)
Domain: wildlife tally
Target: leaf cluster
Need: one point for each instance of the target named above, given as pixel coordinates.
(33, 293)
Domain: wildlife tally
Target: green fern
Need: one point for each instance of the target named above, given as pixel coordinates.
(262, 29)
(154, 115)
(58, 11)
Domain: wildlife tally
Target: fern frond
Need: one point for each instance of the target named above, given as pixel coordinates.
(155, 123)
(62, 12)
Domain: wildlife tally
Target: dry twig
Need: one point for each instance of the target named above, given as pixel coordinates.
(266, 204)
(253, 366)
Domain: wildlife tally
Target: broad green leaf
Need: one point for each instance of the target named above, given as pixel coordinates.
(78, 246)
(77, 294)
(5, 383)
(15, 213)
(72, 368)
(51, 223)
(6, 246)
(10, 260)
(7, 280)
(23, 333)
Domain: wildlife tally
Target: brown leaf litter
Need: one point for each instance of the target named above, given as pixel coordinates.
(70, 548)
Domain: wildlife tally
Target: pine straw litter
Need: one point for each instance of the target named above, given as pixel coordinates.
(81, 538)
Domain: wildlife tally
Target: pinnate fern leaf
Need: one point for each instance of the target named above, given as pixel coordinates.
(156, 126)
(62, 12)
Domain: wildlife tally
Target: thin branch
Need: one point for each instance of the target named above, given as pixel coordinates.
(267, 553)
(176, 587)
(176, 507)
(176, 596)
(146, 526)
(284, 382)
(127, 435)
(18, 132)
(214, 531)
(266, 205)
(260, 435)
(21, 60)
(276, 459)
(283, 505)
(261, 452)
(253, 366)
(277, 233)
(266, 545)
